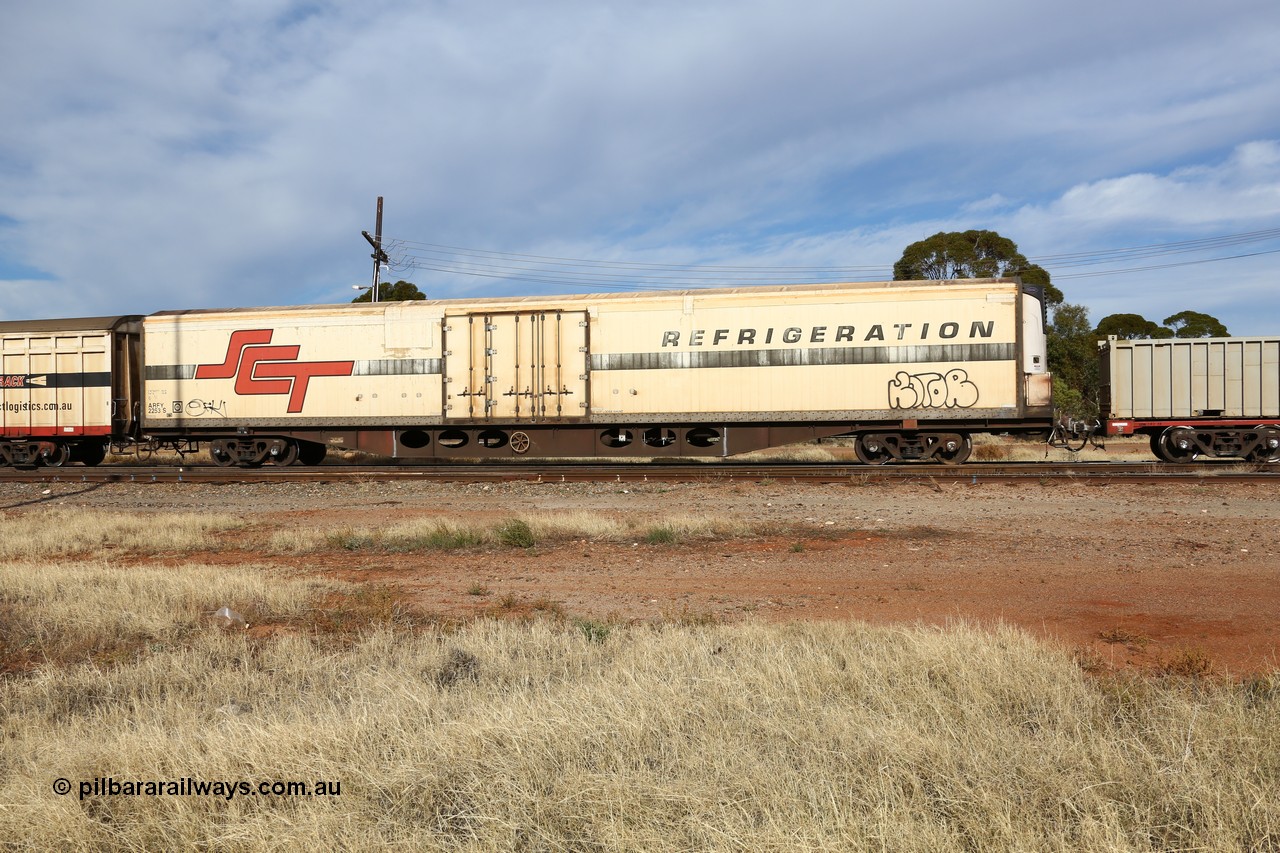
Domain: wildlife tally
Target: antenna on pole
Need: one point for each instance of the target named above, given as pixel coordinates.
(379, 256)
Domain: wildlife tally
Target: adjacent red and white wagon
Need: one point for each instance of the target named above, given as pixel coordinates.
(67, 388)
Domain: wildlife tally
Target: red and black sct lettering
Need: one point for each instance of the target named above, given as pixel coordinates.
(262, 369)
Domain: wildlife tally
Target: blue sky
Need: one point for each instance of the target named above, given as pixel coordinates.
(158, 155)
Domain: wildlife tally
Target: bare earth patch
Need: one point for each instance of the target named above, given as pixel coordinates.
(1150, 577)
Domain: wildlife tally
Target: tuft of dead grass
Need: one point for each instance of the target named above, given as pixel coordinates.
(1191, 663)
(991, 452)
(1124, 636)
(60, 532)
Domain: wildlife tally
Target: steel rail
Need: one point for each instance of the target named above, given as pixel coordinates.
(1093, 472)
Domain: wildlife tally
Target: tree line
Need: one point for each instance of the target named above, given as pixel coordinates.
(1072, 340)
(400, 291)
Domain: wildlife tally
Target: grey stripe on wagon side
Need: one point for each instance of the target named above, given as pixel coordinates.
(373, 367)
(916, 354)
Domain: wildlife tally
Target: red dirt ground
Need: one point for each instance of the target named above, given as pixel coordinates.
(1180, 575)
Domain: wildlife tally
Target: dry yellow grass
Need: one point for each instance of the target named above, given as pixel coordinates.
(806, 452)
(55, 532)
(575, 525)
(522, 530)
(593, 526)
(1000, 448)
(553, 734)
(73, 611)
(538, 735)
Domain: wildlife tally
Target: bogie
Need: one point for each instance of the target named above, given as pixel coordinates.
(949, 448)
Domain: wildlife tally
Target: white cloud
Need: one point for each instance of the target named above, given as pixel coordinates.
(1245, 187)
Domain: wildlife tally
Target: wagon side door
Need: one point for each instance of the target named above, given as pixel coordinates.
(517, 366)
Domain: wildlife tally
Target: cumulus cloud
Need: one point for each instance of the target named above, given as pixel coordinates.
(1243, 188)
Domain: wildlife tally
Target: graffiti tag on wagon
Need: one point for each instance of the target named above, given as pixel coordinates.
(950, 390)
(198, 408)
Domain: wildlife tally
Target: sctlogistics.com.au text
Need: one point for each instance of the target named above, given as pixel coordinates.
(109, 786)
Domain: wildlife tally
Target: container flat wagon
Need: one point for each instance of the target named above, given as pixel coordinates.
(68, 388)
(910, 368)
(1195, 398)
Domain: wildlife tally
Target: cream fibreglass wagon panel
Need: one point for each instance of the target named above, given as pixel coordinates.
(509, 368)
(65, 387)
(43, 398)
(98, 405)
(350, 365)
(69, 407)
(805, 352)
(463, 360)
(364, 381)
(560, 348)
(527, 366)
(15, 418)
(937, 388)
(85, 403)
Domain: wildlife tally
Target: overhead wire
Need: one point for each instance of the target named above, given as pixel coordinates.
(639, 275)
(610, 274)
(428, 248)
(1158, 249)
(1097, 273)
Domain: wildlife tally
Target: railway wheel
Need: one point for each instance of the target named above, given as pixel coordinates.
(287, 455)
(1264, 453)
(310, 453)
(220, 455)
(954, 452)
(56, 458)
(871, 450)
(1177, 445)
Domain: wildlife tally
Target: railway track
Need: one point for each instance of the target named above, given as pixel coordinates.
(1091, 472)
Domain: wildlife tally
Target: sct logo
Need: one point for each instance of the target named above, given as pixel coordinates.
(261, 369)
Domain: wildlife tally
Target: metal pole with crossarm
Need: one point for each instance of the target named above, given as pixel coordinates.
(379, 256)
